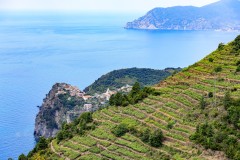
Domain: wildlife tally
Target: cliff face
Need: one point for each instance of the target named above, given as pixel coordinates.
(222, 15)
(57, 108)
(63, 104)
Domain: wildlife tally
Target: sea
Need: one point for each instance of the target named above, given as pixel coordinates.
(38, 50)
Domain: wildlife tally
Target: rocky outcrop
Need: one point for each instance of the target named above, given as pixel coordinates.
(62, 104)
(222, 15)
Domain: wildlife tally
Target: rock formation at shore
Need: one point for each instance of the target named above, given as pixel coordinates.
(56, 109)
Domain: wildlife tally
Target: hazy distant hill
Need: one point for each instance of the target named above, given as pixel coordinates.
(221, 15)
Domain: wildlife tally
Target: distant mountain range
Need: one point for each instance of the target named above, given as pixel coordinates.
(221, 15)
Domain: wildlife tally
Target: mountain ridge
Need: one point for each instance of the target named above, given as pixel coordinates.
(221, 15)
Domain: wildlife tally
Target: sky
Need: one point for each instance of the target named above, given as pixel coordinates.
(95, 5)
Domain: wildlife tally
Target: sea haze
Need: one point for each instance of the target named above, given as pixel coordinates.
(38, 50)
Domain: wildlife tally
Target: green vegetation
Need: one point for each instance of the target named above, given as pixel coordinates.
(210, 59)
(221, 46)
(41, 147)
(172, 121)
(136, 95)
(119, 78)
(236, 45)
(203, 103)
(218, 69)
(22, 157)
(222, 135)
(64, 101)
(120, 130)
(153, 138)
(79, 126)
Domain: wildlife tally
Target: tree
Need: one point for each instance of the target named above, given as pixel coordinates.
(42, 144)
(236, 44)
(118, 99)
(210, 59)
(120, 130)
(221, 46)
(112, 100)
(210, 94)
(218, 69)
(22, 157)
(145, 135)
(87, 116)
(135, 89)
(155, 139)
(203, 103)
(227, 100)
(238, 69)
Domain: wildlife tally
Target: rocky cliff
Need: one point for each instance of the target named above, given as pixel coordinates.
(222, 15)
(64, 103)
(58, 107)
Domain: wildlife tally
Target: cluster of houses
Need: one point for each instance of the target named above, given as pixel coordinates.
(92, 103)
(104, 97)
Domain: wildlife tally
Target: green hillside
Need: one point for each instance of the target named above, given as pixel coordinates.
(198, 109)
(118, 78)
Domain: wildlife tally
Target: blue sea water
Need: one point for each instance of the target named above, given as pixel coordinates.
(38, 50)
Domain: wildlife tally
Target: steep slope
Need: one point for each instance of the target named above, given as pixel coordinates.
(64, 103)
(177, 111)
(59, 102)
(118, 78)
(221, 15)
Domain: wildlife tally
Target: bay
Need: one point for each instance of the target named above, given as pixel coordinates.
(39, 49)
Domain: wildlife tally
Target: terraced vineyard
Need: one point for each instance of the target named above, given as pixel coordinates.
(176, 112)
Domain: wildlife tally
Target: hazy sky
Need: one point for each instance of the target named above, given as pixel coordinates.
(95, 5)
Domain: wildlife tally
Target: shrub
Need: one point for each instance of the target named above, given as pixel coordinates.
(210, 94)
(22, 157)
(170, 124)
(236, 45)
(136, 95)
(221, 46)
(86, 116)
(238, 69)
(42, 144)
(227, 100)
(218, 69)
(145, 135)
(79, 126)
(155, 138)
(223, 134)
(210, 59)
(120, 130)
(238, 63)
(203, 103)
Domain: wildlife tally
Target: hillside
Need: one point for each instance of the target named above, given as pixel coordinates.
(201, 102)
(64, 103)
(118, 78)
(221, 15)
